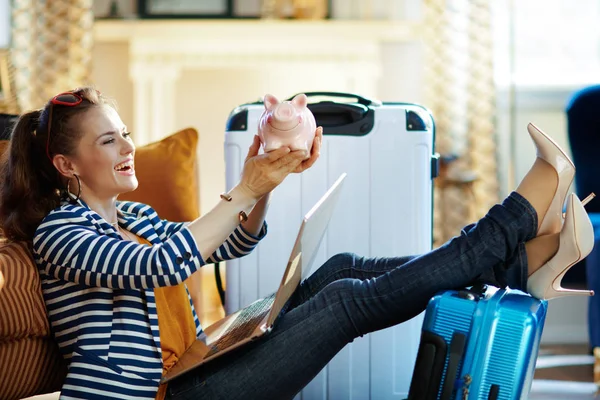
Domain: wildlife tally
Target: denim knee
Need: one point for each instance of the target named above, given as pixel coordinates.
(337, 263)
(345, 258)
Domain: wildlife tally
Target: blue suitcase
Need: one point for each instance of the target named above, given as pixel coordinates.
(478, 343)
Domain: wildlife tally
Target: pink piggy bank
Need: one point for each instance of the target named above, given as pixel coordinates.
(287, 123)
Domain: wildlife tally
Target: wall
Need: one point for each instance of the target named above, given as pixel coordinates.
(208, 86)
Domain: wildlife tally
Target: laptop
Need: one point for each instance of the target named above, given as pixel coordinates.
(258, 318)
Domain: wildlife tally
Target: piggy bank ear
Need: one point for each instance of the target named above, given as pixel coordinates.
(300, 100)
(270, 101)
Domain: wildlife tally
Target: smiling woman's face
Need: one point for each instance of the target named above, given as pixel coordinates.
(104, 156)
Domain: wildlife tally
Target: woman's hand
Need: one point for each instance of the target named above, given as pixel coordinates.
(315, 151)
(263, 173)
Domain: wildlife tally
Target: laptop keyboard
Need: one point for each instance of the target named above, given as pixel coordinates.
(243, 325)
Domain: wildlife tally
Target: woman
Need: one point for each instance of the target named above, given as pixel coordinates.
(112, 271)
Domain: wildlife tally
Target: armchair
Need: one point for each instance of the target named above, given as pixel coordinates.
(583, 126)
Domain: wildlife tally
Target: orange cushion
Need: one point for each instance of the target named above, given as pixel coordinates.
(167, 176)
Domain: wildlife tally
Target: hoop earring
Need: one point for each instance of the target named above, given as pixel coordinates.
(71, 199)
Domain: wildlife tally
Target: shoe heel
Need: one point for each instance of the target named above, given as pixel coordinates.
(560, 291)
(576, 242)
(584, 202)
(589, 198)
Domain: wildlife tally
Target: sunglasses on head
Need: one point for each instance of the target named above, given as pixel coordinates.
(68, 99)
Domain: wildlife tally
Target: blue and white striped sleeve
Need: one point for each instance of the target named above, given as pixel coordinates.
(238, 244)
(172, 228)
(67, 247)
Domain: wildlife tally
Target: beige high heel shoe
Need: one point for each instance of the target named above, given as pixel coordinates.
(576, 242)
(550, 152)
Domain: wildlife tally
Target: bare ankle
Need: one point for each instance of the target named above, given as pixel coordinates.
(539, 250)
(539, 187)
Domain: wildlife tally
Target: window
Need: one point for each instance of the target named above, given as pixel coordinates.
(547, 42)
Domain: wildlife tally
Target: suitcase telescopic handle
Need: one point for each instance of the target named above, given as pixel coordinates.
(429, 367)
(457, 349)
(360, 99)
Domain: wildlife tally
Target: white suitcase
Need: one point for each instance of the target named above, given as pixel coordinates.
(385, 209)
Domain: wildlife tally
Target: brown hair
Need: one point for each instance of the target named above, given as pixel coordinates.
(31, 186)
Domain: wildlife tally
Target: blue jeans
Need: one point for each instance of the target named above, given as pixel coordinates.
(350, 296)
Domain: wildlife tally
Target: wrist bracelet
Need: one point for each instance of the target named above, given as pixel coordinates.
(242, 216)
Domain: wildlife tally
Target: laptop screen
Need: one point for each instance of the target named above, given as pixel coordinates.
(312, 230)
(315, 225)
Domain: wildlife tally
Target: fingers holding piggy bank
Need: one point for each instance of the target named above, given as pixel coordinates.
(287, 123)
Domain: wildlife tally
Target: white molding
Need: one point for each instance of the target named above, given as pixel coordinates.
(562, 360)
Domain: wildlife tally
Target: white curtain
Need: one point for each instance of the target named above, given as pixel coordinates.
(461, 95)
(51, 48)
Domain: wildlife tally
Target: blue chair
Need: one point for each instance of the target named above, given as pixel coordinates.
(583, 125)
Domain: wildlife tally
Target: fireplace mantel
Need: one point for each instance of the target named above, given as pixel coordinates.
(244, 31)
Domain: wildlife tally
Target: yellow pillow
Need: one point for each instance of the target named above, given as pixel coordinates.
(167, 176)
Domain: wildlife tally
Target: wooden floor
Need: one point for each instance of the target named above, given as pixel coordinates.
(578, 373)
(573, 380)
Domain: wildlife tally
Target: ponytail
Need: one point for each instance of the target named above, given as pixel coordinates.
(29, 181)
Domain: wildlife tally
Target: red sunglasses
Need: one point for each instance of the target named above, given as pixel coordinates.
(68, 99)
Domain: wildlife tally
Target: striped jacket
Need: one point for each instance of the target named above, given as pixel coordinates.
(99, 293)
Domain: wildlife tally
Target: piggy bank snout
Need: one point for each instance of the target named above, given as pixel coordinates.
(283, 117)
(284, 112)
